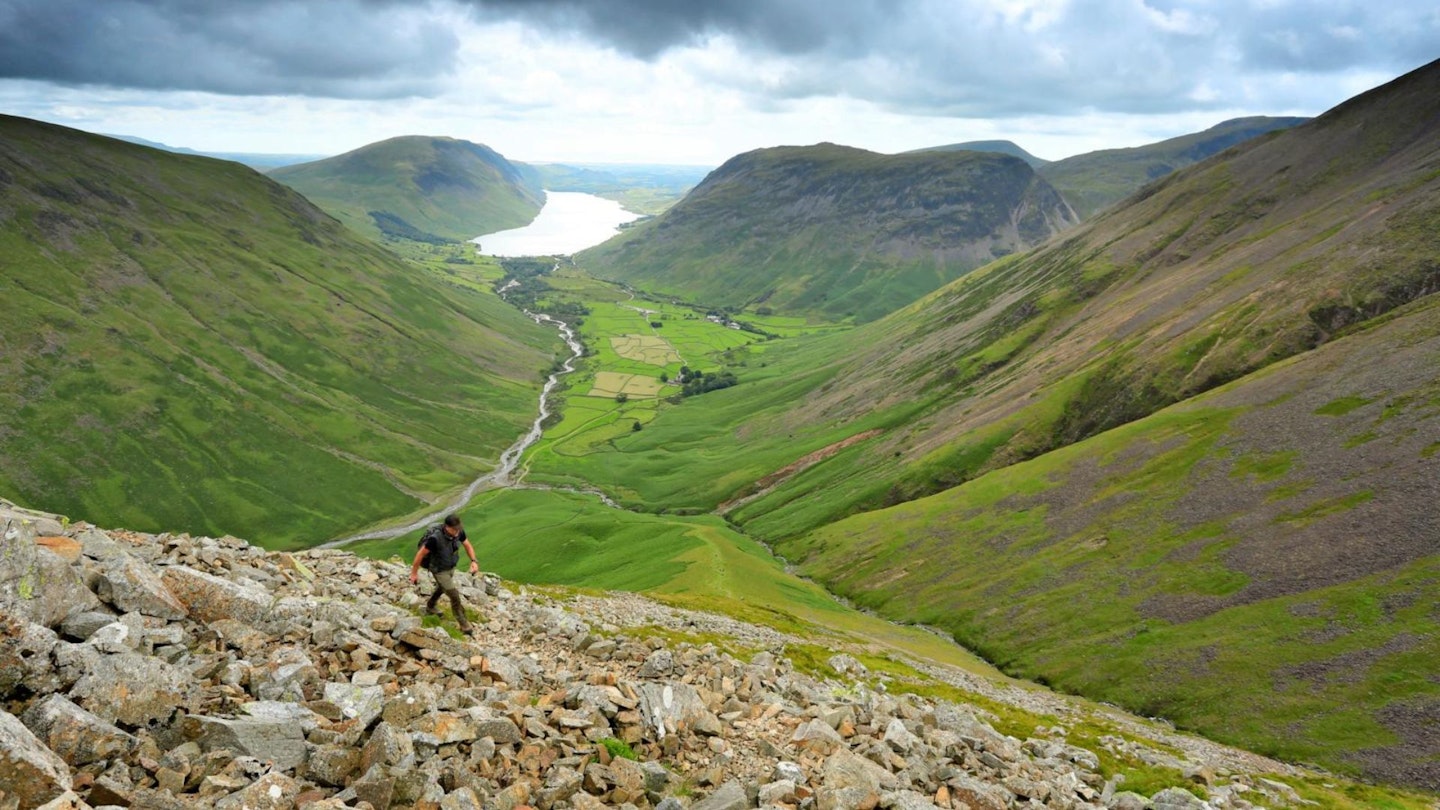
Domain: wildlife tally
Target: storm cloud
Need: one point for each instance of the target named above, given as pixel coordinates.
(928, 57)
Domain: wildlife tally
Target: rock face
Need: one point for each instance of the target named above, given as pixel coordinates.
(213, 674)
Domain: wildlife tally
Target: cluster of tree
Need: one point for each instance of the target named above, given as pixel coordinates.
(695, 382)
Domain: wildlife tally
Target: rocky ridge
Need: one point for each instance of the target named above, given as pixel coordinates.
(173, 671)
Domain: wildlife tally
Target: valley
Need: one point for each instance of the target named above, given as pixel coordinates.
(1173, 452)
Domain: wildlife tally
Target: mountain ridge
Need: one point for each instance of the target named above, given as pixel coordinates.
(835, 230)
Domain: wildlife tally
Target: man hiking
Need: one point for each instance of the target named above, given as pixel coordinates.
(439, 550)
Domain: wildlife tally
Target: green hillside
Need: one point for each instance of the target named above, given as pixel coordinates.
(833, 231)
(192, 347)
(1000, 147)
(1096, 180)
(1283, 294)
(421, 188)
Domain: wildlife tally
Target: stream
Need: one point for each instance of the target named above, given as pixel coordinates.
(500, 476)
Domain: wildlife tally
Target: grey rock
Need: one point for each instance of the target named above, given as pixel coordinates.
(669, 707)
(1127, 800)
(115, 637)
(287, 675)
(332, 764)
(845, 664)
(35, 584)
(127, 687)
(977, 794)
(789, 771)
(130, 584)
(273, 791)
(280, 742)
(361, 703)
(778, 792)
(817, 734)
(387, 746)
(845, 769)
(25, 649)
(729, 796)
(1176, 799)
(80, 626)
(28, 770)
(209, 598)
(78, 736)
(898, 737)
(907, 800)
(657, 664)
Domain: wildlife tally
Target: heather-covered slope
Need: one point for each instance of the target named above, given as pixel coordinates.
(835, 231)
(421, 188)
(189, 345)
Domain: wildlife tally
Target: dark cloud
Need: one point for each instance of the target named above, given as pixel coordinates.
(944, 57)
(334, 48)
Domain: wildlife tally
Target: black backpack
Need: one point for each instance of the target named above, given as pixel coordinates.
(435, 532)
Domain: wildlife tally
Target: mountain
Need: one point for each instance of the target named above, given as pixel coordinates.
(999, 147)
(1181, 458)
(835, 231)
(421, 188)
(191, 345)
(255, 160)
(1097, 180)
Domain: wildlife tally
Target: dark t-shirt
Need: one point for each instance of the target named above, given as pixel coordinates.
(444, 549)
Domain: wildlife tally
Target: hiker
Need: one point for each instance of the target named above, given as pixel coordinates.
(439, 551)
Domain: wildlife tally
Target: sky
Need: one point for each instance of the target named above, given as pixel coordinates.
(692, 81)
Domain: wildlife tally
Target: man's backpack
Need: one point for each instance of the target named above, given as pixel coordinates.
(433, 557)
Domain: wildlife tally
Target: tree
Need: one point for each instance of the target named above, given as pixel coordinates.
(636, 427)
(622, 397)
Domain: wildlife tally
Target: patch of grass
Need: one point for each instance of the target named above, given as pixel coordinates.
(1326, 507)
(1264, 467)
(1342, 406)
(619, 749)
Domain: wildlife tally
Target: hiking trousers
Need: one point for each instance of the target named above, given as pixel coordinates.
(445, 583)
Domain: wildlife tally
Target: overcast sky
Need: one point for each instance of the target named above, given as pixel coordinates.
(692, 81)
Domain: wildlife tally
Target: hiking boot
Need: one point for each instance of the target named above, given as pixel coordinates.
(467, 629)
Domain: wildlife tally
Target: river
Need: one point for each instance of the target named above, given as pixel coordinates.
(569, 222)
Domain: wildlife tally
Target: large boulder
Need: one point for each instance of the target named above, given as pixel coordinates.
(131, 585)
(35, 584)
(279, 741)
(209, 598)
(125, 687)
(25, 657)
(29, 771)
(78, 736)
(673, 706)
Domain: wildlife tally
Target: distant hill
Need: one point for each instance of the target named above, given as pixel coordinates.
(255, 160)
(421, 188)
(999, 147)
(191, 345)
(1096, 180)
(835, 231)
(642, 188)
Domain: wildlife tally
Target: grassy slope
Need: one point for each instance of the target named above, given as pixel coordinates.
(1219, 271)
(449, 188)
(1096, 180)
(190, 346)
(834, 231)
(1253, 563)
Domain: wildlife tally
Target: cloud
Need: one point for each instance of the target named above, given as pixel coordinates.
(948, 58)
(335, 48)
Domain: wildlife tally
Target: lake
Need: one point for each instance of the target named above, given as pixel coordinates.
(569, 222)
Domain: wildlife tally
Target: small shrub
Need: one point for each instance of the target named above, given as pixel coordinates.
(619, 749)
